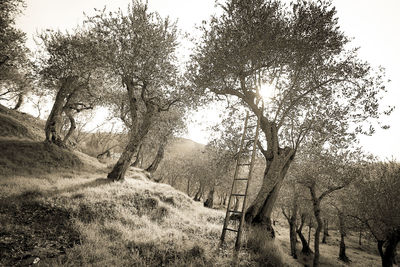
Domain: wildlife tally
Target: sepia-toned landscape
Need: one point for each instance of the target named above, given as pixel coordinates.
(246, 139)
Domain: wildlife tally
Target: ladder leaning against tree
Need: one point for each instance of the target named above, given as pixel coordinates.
(242, 179)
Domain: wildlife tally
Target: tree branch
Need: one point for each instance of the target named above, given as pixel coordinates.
(330, 190)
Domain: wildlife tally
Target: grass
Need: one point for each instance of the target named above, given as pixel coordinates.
(82, 219)
(102, 223)
(366, 255)
(17, 124)
(24, 157)
(57, 209)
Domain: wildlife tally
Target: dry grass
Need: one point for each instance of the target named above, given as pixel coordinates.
(17, 124)
(134, 223)
(329, 252)
(82, 219)
(19, 157)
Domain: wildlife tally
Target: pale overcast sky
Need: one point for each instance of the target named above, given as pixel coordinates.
(374, 24)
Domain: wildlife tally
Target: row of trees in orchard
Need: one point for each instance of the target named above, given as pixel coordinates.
(124, 60)
(321, 87)
(332, 187)
(323, 97)
(15, 67)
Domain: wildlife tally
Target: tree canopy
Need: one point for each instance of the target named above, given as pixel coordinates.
(319, 84)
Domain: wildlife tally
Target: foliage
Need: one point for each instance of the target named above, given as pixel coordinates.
(15, 68)
(320, 86)
(70, 56)
(376, 198)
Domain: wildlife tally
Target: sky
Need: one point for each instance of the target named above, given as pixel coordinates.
(374, 25)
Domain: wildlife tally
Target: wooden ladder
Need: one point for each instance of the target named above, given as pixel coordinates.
(242, 179)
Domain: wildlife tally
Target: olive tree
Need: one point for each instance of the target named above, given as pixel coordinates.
(15, 67)
(300, 53)
(376, 198)
(68, 67)
(138, 48)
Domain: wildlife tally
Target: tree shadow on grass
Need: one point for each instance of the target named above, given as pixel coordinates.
(32, 229)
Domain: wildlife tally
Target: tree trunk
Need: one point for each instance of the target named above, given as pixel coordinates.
(316, 241)
(188, 186)
(388, 256)
(210, 199)
(309, 231)
(137, 132)
(197, 196)
(19, 101)
(122, 165)
(159, 156)
(305, 245)
(137, 159)
(326, 234)
(259, 212)
(342, 249)
(292, 227)
(317, 215)
(54, 121)
(72, 126)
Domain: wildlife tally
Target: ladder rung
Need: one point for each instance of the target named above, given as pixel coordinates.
(238, 195)
(235, 211)
(241, 179)
(251, 126)
(233, 230)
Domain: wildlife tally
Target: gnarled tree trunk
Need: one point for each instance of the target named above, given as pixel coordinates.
(317, 214)
(305, 245)
(72, 126)
(292, 228)
(388, 255)
(138, 156)
(54, 121)
(159, 156)
(259, 212)
(120, 168)
(137, 133)
(291, 217)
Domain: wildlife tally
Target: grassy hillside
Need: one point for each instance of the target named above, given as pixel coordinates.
(58, 209)
(75, 220)
(23, 151)
(15, 124)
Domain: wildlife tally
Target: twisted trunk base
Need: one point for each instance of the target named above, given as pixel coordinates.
(259, 212)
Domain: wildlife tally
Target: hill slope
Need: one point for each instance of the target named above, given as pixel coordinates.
(15, 124)
(86, 220)
(23, 151)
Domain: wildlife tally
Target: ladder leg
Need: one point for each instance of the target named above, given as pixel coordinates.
(253, 156)
(233, 183)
